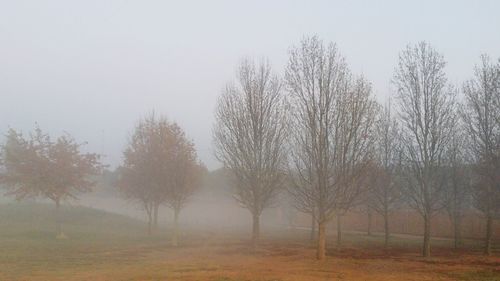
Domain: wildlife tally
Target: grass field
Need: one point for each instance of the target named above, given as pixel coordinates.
(104, 246)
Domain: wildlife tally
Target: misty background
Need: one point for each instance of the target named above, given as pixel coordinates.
(335, 175)
(94, 68)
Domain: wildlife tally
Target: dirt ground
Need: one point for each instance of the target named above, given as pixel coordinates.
(220, 259)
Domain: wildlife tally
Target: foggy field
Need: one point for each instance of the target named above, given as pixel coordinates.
(105, 246)
(249, 140)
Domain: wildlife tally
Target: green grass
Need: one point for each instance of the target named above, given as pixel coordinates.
(28, 238)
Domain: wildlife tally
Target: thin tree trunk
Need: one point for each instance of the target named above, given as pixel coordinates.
(386, 228)
(175, 235)
(313, 226)
(339, 232)
(426, 251)
(321, 251)
(155, 216)
(369, 230)
(60, 233)
(149, 212)
(489, 235)
(457, 229)
(255, 229)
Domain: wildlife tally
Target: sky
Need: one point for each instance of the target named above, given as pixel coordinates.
(93, 68)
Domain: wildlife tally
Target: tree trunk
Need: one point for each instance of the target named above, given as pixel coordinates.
(489, 235)
(321, 251)
(313, 227)
(175, 235)
(386, 228)
(457, 229)
(155, 216)
(255, 229)
(149, 211)
(426, 251)
(339, 232)
(369, 230)
(60, 233)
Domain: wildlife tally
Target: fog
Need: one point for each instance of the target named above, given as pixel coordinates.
(229, 140)
(93, 68)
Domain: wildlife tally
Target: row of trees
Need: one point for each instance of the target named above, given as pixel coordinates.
(320, 134)
(160, 168)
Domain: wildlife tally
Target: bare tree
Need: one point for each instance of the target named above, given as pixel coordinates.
(332, 121)
(250, 134)
(481, 116)
(367, 199)
(458, 182)
(39, 167)
(356, 147)
(368, 209)
(427, 115)
(298, 189)
(287, 209)
(385, 191)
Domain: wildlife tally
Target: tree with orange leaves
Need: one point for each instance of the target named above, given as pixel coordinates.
(36, 166)
(160, 167)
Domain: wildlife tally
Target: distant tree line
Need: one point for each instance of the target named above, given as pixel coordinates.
(314, 137)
